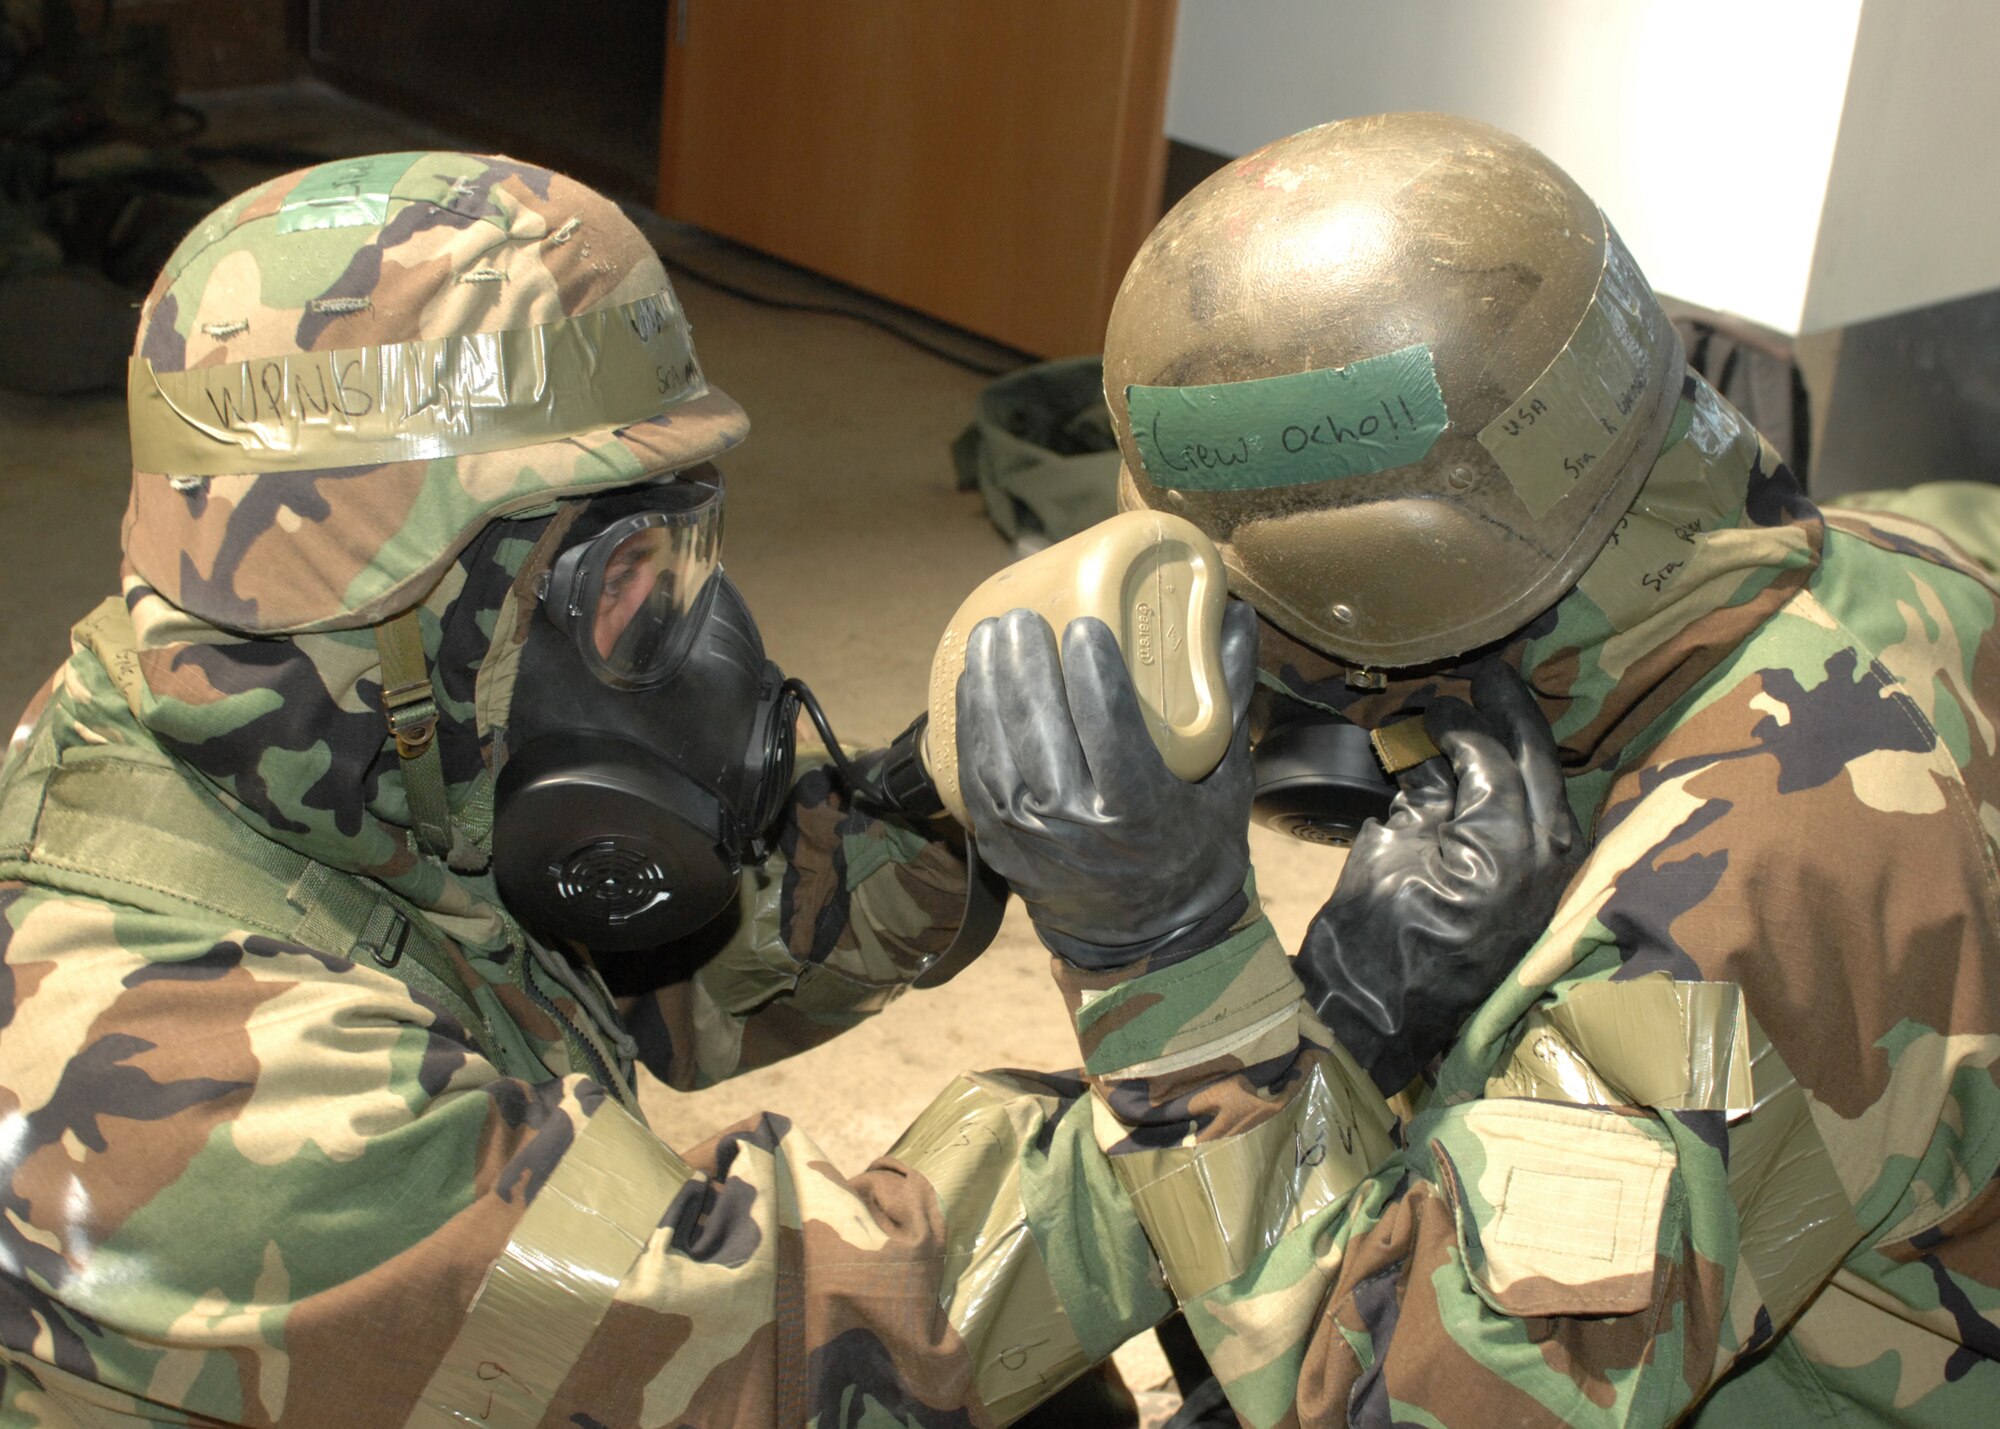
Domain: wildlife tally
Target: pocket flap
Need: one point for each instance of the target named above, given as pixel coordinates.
(1557, 1207)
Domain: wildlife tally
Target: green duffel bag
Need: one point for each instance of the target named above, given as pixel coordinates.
(1041, 451)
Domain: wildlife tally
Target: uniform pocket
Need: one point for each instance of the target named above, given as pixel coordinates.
(1557, 1208)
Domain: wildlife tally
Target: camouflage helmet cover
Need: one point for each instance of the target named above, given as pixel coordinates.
(1402, 372)
(345, 372)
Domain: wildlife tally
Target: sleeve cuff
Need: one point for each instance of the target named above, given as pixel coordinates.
(1157, 1018)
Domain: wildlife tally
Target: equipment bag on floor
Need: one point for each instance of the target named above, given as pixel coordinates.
(1041, 452)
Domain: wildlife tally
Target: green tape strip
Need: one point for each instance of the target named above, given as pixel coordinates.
(1371, 415)
(345, 195)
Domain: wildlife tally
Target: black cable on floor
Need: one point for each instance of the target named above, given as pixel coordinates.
(833, 310)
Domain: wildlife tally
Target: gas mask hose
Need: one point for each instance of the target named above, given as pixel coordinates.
(797, 689)
(887, 782)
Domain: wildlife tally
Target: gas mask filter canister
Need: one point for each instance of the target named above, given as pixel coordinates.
(1319, 778)
(650, 739)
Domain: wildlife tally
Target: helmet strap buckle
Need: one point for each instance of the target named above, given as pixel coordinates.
(414, 728)
(409, 703)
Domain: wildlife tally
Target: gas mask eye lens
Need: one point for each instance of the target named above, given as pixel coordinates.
(633, 576)
(632, 589)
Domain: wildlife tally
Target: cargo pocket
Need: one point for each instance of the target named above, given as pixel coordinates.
(1557, 1208)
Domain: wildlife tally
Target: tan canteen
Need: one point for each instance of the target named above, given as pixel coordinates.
(1158, 582)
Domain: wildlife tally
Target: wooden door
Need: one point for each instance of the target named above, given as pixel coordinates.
(994, 163)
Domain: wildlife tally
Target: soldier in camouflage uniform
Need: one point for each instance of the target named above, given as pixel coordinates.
(296, 1124)
(1722, 1146)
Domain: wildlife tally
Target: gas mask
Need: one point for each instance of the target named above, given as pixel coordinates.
(1318, 777)
(1330, 737)
(650, 740)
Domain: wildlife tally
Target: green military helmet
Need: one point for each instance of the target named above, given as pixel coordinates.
(1402, 371)
(344, 373)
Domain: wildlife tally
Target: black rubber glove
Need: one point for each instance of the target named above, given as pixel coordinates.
(1117, 857)
(1438, 904)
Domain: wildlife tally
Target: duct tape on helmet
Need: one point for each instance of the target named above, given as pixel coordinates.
(418, 400)
(1574, 415)
(1419, 439)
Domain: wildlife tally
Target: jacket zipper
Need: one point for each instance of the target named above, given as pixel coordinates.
(573, 1035)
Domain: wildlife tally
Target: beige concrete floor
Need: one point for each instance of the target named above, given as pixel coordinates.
(845, 533)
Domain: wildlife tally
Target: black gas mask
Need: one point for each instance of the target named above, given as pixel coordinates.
(1318, 777)
(1330, 740)
(650, 740)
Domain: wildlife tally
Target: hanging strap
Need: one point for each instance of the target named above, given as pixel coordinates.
(411, 705)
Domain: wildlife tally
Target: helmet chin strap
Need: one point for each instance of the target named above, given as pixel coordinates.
(410, 703)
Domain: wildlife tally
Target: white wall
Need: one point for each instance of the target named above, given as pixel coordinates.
(1704, 128)
(1912, 212)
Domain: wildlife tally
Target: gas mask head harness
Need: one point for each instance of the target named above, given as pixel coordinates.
(650, 741)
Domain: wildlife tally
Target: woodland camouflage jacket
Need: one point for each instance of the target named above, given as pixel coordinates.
(1725, 1142)
(294, 1126)
(1735, 1108)
(263, 1161)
